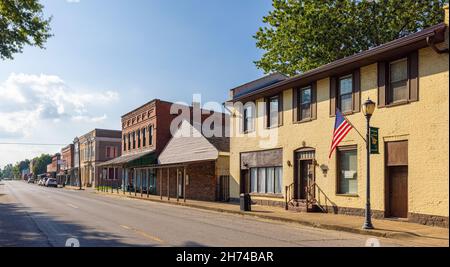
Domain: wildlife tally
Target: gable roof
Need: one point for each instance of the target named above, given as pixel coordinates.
(189, 145)
(257, 84)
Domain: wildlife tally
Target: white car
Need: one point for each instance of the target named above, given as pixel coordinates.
(51, 182)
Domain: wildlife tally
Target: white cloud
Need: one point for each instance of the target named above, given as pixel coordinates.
(28, 101)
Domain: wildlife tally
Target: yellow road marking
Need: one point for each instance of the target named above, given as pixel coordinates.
(142, 233)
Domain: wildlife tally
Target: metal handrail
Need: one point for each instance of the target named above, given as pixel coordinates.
(289, 195)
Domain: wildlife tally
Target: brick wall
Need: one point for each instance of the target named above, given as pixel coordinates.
(202, 182)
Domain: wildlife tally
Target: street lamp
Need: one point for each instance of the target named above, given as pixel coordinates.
(368, 109)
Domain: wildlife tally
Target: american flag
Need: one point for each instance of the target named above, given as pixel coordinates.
(341, 129)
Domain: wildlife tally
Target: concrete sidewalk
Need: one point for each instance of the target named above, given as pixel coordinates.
(416, 234)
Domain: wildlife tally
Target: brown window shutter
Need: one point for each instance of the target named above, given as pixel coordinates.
(314, 101)
(382, 87)
(267, 112)
(295, 104)
(357, 90)
(413, 60)
(333, 82)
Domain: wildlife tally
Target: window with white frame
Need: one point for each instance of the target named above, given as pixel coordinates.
(347, 174)
(249, 118)
(266, 180)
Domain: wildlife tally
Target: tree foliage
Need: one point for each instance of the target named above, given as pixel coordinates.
(7, 171)
(300, 35)
(21, 23)
(40, 164)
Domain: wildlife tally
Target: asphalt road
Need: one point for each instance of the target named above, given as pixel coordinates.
(36, 216)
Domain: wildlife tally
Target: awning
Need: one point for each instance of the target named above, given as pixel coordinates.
(132, 160)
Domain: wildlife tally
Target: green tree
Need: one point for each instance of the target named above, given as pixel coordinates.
(8, 171)
(21, 23)
(300, 35)
(40, 164)
(16, 171)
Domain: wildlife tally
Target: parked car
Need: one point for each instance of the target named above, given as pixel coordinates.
(43, 181)
(51, 182)
(31, 181)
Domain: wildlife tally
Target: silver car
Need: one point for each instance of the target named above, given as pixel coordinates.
(51, 182)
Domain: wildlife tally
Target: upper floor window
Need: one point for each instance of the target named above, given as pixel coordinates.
(345, 96)
(345, 93)
(249, 115)
(134, 140)
(398, 81)
(274, 111)
(124, 142)
(111, 152)
(129, 141)
(150, 135)
(138, 138)
(398, 74)
(144, 137)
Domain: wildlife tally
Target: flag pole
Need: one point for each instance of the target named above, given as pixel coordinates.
(355, 128)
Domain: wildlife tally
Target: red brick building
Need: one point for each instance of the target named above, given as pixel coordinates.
(67, 164)
(146, 132)
(54, 167)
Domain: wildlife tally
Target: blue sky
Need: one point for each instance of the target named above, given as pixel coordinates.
(109, 56)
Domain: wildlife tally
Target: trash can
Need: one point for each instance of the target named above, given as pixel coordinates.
(246, 204)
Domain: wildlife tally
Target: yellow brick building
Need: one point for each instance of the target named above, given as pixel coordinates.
(282, 133)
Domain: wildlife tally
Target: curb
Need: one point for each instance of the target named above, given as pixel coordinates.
(274, 218)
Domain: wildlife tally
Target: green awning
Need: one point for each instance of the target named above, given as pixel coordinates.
(132, 160)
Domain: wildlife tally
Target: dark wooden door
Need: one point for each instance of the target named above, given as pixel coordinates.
(303, 174)
(398, 191)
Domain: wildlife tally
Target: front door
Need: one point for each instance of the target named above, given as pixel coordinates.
(304, 175)
(398, 191)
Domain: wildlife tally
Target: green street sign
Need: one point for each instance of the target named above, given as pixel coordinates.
(374, 142)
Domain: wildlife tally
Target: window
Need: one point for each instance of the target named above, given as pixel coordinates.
(124, 143)
(150, 135)
(139, 138)
(398, 80)
(305, 100)
(347, 174)
(134, 140)
(273, 110)
(266, 180)
(345, 94)
(111, 152)
(144, 137)
(398, 73)
(261, 180)
(129, 141)
(248, 118)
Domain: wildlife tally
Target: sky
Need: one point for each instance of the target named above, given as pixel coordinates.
(108, 57)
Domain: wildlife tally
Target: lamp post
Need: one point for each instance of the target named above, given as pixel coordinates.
(368, 109)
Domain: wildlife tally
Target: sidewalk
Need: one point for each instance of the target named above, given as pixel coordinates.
(416, 234)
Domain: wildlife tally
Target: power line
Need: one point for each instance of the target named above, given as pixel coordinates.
(32, 144)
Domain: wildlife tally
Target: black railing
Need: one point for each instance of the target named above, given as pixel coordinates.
(289, 194)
